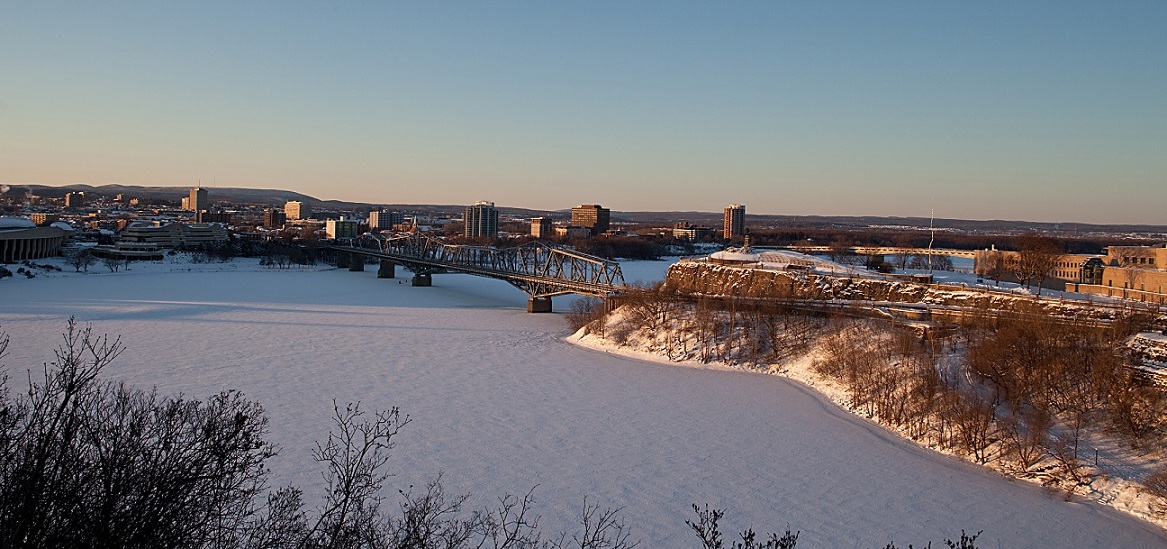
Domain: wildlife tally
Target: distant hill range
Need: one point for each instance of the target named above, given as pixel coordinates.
(237, 195)
(277, 198)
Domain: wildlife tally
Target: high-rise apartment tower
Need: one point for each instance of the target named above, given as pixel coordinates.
(481, 219)
(734, 223)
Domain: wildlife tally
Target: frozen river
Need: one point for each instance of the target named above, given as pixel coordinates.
(501, 403)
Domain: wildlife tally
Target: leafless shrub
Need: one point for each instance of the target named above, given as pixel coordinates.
(1027, 435)
(90, 463)
(1156, 485)
(586, 312)
(973, 418)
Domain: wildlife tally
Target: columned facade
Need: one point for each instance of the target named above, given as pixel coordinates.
(34, 243)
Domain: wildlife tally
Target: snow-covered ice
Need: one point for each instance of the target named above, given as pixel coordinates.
(501, 403)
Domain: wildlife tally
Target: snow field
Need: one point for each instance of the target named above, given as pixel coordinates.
(501, 403)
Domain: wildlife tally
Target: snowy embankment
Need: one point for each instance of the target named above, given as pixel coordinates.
(700, 278)
(500, 403)
(1113, 472)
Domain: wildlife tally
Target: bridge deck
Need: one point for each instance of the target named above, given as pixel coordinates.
(537, 269)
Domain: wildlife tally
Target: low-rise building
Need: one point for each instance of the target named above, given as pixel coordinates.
(571, 231)
(686, 231)
(172, 234)
(1133, 272)
(1067, 269)
(21, 239)
(41, 218)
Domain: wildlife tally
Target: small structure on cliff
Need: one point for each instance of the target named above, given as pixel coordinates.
(779, 260)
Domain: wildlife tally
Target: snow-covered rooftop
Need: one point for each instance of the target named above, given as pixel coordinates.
(14, 223)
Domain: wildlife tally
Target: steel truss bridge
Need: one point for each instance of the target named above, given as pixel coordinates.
(539, 270)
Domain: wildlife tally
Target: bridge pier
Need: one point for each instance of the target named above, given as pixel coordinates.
(388, 269)
(611, 303)
(342, 260)
(422, 279)
(539, 305)
(356, 263)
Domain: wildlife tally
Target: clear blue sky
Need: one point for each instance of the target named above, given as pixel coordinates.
(1014, 110)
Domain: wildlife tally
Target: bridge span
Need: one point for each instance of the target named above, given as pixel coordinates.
(539, 270)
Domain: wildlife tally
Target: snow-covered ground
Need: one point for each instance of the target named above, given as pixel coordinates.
(501, 403)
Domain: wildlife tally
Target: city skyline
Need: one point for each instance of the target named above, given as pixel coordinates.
(1038, 112)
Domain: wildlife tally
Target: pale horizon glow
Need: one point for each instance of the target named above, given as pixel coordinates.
(1035, 111)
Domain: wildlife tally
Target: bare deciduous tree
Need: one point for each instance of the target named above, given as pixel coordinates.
(79, 258)
(1037, 258)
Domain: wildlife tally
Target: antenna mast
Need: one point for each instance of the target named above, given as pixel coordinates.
(932, 238)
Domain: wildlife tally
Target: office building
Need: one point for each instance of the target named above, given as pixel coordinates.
(687, 231)
(382, 219)
(573, 232)
(295, 209)
(74, 200)
(274, 219)
(197, 201)
(541, 227)
(481, 219)
(734, 222)
(173, 234)
(593, 216)
(41, 219)
(340, 228)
